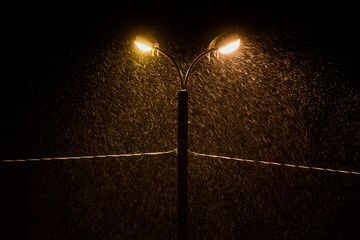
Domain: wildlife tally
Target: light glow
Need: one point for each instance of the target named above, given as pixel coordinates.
(230, 47)
(143, 47)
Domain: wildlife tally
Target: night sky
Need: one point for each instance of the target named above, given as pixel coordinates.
(74, 85)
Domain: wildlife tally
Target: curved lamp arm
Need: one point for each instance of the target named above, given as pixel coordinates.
(176, 65)
(193, 63)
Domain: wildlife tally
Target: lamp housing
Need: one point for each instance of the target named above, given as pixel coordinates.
(147, 43)
(225, 43)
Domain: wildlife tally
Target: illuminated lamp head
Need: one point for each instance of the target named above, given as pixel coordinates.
(225, 43)
(146, 44)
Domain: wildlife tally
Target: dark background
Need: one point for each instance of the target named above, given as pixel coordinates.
(73, 85)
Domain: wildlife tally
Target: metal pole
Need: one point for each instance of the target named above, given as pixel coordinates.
(182, 210)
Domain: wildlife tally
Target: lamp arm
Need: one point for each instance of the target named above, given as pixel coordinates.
(194, 62)
(175, 64)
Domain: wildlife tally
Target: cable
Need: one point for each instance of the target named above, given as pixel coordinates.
(92, 157)
(175, 152)
(275, 163)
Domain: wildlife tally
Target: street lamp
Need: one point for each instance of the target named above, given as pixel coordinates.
(224, 43)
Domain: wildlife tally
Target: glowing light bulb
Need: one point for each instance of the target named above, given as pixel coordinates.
(230, 47)
(146, 44)
(225, 43)
(143, 47)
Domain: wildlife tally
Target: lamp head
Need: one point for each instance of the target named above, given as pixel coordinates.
(146, 44)
(225, 43)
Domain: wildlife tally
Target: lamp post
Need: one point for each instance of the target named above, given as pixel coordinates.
(224, 43)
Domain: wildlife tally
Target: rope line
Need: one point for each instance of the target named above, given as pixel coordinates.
(174, 151)
(275, 163)
(92, 157)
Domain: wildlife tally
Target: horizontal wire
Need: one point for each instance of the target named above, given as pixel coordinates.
(92, 157)
(175, 151)
(275, 163)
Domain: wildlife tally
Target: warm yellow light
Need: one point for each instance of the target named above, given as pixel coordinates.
(143, 47)
(230, 47)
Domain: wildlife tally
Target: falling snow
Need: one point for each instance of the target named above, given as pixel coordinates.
(278, 98)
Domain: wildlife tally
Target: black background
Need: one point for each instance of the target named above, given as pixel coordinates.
(53, 104)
